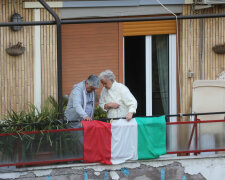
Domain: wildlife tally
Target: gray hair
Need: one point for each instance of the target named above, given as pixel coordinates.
(93, 81)
(108, 75)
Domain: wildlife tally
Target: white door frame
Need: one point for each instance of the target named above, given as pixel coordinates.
(148, 70)
(172, 75)
(172, 91)
(148, 76)
(172, 130)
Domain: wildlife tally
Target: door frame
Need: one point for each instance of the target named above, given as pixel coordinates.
(172, 75)
(172, 130)
(148, 70)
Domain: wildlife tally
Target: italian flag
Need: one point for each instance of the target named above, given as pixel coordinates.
(122, 140)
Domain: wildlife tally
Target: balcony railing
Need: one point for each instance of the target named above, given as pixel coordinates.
(62, 145)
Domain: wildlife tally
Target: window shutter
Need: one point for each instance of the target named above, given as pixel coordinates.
(149, 28)
(90, 49)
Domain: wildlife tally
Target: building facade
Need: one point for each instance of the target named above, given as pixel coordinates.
(157, 60)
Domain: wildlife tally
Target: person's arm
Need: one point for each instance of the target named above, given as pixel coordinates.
(106, 106)
(111, 105)
(130, 101)
(102, 100)
(77, 95)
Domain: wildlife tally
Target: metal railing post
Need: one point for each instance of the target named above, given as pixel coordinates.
(59, 55)
(196, 135)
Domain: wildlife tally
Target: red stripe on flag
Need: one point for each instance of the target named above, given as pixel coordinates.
(97, 142)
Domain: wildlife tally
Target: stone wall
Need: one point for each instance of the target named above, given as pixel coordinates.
(164, 168)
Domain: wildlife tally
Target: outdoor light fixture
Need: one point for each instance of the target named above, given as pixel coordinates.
(16, 18)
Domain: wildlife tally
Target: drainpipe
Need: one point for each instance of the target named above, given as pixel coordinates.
(202, 46)
(59, 55)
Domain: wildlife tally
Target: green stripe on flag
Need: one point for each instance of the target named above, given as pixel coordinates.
(151, 137)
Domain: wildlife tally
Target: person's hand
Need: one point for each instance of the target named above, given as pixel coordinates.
(112, 105)
(129, 116)
(87, 118)
(96, 103)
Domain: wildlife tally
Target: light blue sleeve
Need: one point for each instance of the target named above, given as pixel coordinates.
(77, 95)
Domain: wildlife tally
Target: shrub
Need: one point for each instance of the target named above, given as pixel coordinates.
(99, 113)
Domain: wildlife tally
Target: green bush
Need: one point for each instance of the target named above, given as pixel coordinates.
(46, 118)
(99, 113)
(62, 144)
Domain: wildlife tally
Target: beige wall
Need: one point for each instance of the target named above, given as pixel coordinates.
(213, 33)
(198, 36)
(16, 77)
(16, 73)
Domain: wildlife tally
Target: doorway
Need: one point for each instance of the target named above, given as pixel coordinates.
(134, 54)
(150, 73)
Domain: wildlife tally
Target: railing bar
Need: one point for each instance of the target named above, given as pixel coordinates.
(168, 123)
(40, 162)
(109, 20)
(43, 131)
(195, 151)
(195, 122)
(79, 129)
(196, 134)
(32, 23)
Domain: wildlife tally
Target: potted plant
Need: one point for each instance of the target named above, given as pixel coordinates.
(16, 50)
(219, 49)
(32, 146)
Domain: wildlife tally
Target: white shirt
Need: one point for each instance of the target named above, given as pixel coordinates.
(121, 95)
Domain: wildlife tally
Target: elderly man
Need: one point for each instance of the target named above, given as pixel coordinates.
(82, 100)
(116, 98)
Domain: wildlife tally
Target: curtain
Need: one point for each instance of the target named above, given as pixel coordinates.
(162, 50)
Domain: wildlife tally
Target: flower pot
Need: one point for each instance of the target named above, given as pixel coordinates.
(219, 49)
(16, 50)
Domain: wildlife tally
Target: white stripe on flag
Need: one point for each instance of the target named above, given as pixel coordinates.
(124, 141)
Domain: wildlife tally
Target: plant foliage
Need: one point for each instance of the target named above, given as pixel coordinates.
(99, 113)
(27, 145)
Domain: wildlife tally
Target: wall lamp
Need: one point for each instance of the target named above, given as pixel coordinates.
(16, 18)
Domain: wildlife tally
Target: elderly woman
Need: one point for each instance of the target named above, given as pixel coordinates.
(116, 98)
